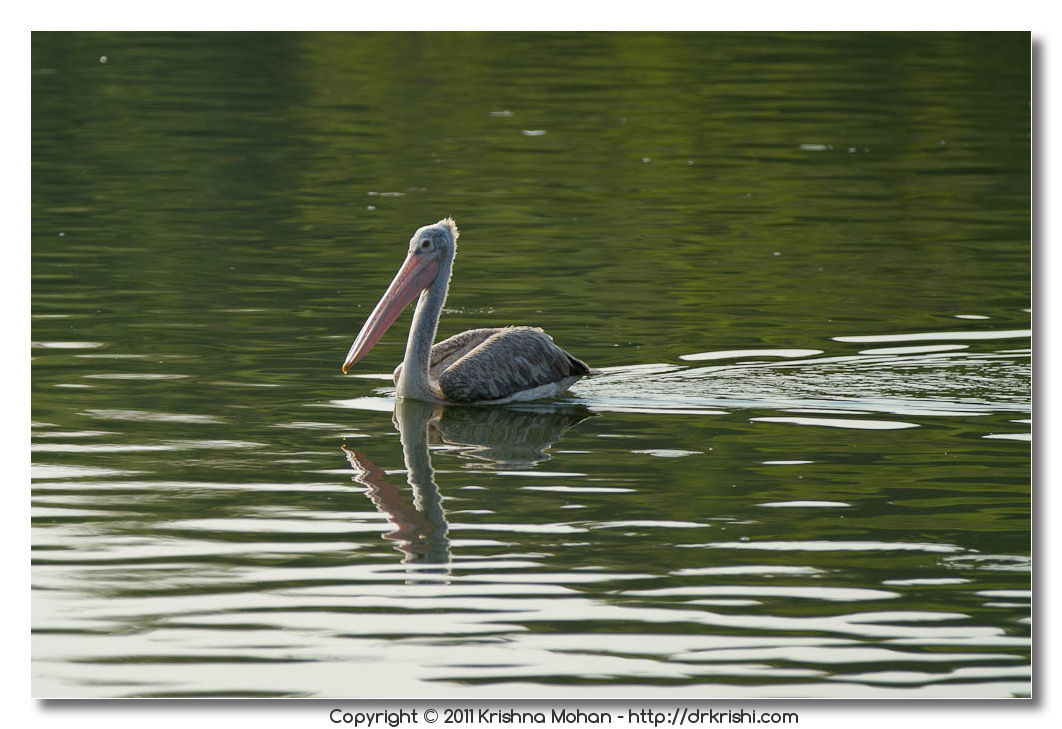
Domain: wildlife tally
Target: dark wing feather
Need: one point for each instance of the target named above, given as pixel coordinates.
(510, 360)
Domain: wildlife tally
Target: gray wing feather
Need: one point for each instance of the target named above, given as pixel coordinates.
(508, 361)
(448, 351)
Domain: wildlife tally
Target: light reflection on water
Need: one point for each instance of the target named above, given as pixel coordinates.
(303, 584)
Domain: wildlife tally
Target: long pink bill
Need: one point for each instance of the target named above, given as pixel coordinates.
(416, 274)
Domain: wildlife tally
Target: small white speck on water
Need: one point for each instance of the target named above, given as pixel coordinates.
(851, 150)
(62, 234)
(689, 162)
(646, 160)
(370, 207)
(623, 121)
(814, 147)
(103, 59)
(503, 112)
(941, 142)
(777, 253)
(534, 132)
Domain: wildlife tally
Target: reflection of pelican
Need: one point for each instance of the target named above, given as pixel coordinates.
(503, 437)
(497, 436)
(420, 528)
(480, 365)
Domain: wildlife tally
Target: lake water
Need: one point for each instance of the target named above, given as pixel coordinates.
(802, 263)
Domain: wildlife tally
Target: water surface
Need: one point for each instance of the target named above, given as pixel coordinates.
(800, 261)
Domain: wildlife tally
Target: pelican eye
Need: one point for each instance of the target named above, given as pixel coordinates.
(425, 244)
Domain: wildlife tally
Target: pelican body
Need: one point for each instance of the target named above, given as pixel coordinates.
(485, 366)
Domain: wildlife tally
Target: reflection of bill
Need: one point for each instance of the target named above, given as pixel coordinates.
(491, 437)
(420, 527)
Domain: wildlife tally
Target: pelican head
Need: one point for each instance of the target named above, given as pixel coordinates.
(430, 257)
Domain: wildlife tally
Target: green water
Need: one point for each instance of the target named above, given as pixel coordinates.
(800, 261)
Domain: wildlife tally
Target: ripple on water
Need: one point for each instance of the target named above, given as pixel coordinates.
(53, 472)
(654, 368)
(925, 380)
(806, 504)
(930, 336)
(832, 546)
(149, 416)
(165, 487)
(917, 349)
(66, 345)
(668, 452)
(136, 376)
(173, 445)
(747, 353)
(831, 594)
(314, 425)
(763, 570)
(841, 423)
(659, 409)
(376, 404)
(581, 489)
(540, 474)
(929, 581)
(73, 434)
(651, 523)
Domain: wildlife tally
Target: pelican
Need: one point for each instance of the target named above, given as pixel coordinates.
(485, 366)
